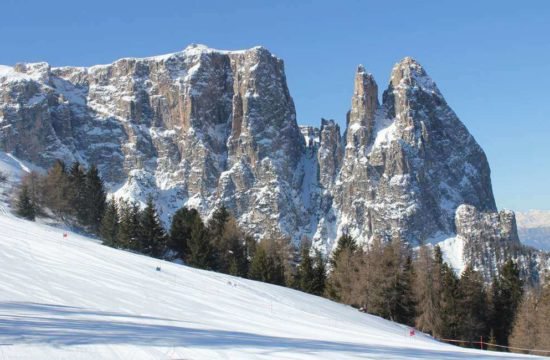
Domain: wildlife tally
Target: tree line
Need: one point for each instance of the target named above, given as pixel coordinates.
(418, 288)
(218, 244)
(387, 279)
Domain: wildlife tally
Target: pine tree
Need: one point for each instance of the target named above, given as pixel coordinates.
(448, 294)
(345, 243)
(152, 237)
(267, 264)
(25, 207)
(472, 305)
(305, 274)
(228, 243)
(236, 249)
(95, 199)
(216, 225)
(403, 310)
(77, 192)
(109, 224)
(319, 274)
(129, 225)
(34, 183)
(222, 241)
(201, 253)
(507, 291)
(180, 231)
(259, 267)
(389, 287)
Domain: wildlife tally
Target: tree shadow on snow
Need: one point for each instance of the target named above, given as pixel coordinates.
(58, 325)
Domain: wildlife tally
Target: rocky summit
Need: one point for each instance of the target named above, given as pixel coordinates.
(205, 127)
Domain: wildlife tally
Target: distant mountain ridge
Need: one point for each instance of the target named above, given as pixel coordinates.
(534, 228)
(205, 127)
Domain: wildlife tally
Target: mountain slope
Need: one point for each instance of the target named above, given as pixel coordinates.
(72, 298)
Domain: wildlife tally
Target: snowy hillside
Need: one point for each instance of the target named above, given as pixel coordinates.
(72, 298)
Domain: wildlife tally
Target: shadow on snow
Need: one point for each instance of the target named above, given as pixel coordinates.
(59, 325)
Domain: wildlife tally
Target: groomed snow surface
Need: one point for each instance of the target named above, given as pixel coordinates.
(72, 298)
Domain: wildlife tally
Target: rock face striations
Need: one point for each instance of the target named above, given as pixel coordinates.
(205, 127)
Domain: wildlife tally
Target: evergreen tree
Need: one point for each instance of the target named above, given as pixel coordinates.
(267, 265)
(389, 286)
(216, 225)
(472, 305)
(180, 231)
(236, 253)
(403, 310)
(95, 199)
(129, 225)
(319, 274)
(345, 243)
(260, 267)
(507, 291)
(25, 207)
(305, 274)
(201, 253)
(227, 242)
(77, 192)
(225, 237)
(109, 224)
(151, 235)
(34, 183)
(448, 294)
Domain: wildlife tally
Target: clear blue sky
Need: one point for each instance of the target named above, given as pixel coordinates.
(491, 59)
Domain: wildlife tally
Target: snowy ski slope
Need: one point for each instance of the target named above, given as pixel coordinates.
(76, 299)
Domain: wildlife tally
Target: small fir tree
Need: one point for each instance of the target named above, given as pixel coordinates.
(109, 224)
(201, 253)
(25, 207)
(507, 291)
(95, 199)
(77, 193)
(151, 235)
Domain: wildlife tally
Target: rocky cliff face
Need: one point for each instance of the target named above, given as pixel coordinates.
(199, 127)
(206, 127)
(409, 163)
(490, 238)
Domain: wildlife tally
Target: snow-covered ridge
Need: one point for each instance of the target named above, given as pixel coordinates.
(193, 50)
(24, 72)
(70, 297)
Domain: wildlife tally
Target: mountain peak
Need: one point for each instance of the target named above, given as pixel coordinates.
(408, 73)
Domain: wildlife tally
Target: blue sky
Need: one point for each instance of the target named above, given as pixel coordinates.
(490, 59)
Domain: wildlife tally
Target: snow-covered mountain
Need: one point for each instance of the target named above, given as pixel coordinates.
(205, 127)
(534, 228)
(72, 298)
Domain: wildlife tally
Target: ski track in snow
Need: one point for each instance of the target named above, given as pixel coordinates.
(76, 299)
